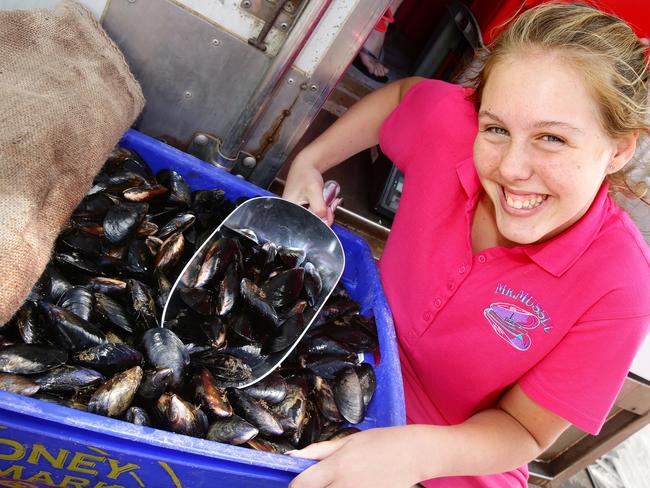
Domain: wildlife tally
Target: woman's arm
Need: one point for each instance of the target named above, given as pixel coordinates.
(354, 131)
(492, 441)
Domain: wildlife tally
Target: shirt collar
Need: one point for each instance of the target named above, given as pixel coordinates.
(558, 254)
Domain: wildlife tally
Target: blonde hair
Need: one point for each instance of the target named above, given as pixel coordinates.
(604, 49)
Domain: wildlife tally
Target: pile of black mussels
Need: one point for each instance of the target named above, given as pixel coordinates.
(89, 335)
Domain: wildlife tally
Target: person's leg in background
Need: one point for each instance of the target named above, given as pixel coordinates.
(368, 59)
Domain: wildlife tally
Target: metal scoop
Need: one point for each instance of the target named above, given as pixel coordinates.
(284, 224)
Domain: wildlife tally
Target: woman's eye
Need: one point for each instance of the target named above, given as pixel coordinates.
(497, 130)
(551, 138)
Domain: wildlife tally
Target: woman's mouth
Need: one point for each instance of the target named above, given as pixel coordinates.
(522, 201)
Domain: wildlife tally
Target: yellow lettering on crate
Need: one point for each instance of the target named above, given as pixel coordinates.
(172, 475)
(74, 482)
(40, 451)
(82, 461)
(16, 472)
(117, 470)
(16, 484)
(41, 477)
(101, 484)
(19, 450)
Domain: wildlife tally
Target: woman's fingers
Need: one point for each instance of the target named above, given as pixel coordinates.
(319, 450)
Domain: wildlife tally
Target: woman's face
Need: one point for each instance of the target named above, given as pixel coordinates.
(540, 152)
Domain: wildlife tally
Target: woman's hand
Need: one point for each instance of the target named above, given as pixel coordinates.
(304, 186)
(371, 458)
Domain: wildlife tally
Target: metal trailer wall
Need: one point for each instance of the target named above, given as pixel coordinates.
(199, 72)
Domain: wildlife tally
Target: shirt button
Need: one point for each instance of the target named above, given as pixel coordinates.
(482, 259)
(427, 316)
(462, 269)
(437, 303)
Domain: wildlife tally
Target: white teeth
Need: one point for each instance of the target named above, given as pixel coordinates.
(519, 204)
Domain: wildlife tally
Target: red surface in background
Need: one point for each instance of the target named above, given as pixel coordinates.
(490, 15)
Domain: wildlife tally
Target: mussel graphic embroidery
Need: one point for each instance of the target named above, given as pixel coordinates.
(511, 323)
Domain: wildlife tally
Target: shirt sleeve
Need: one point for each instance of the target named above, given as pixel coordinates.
(581, 377)
(410, 124)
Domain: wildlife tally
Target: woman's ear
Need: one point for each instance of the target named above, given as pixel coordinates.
(625, 147)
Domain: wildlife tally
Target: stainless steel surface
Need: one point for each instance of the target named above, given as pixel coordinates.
(171, 52)
(270, 19)
(263, 9)
(235, 138)
(353, 32)
(284, 224)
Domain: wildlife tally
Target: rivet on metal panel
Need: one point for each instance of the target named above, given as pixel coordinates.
(201, 139)
(284, 26)
(216, 42)
(246, 4)
(249, 162)
(188, 94)
(313, 88)
(290, 81)
(289, 7)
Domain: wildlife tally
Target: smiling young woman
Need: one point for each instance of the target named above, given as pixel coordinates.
(519, 289)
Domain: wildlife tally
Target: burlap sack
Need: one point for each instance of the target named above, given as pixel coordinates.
(66, 97)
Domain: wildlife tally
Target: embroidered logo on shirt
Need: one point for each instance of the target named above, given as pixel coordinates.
(512, 322)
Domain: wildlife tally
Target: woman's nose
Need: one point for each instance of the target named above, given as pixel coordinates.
(516, 162)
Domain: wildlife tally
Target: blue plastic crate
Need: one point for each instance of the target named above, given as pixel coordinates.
(42, 444)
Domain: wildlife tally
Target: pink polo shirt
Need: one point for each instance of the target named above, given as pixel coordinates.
(563, 318)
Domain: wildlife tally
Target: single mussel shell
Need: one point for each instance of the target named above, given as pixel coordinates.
(112, 312)
(254, 412)
(170, 252)
(112, 287)
(228, 290)
(313, 283)
(313, 427)
(284, 288)
(325, 400)
(368, 382)
(73, 332)
(272, 389)
(15, 383)
(82, 242)
(201, 331)
(178, 224)
(355, 336)
(143, 303)
(94, 207)
(76, 262)
(349, 396)
(199, 300)
(218, 257)
(30, 328)
(154, 383)
(163, 349)
(108, 358)
(68, 378)
(122, 220)
(278, 446)
(30, 358)
(114, 397)
(58, 283)
(117, 182)
(79, 301)
(179, 191)
(139, 259)
(147, 229)
(137, 416)
(164, 287)
(144, 193)
(227, 369)
(291, 256)
(328, 366)
(241, 329)
(212, 399)
(41, 290)
(231, 430)
(292, 410)
(322, 344)
(180, 416)
(257, 305)
(286, 335)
